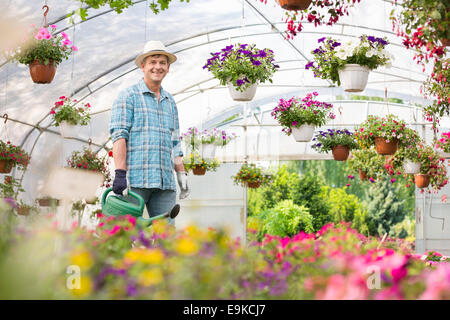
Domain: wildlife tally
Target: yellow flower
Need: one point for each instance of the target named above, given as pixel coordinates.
(149, 256)
(186, 246)
(150, 277)
(85, 287)
(82, 258)
(194, 233)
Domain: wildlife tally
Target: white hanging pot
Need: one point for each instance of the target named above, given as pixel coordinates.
(208, 151)
(246, 95)
(354, 77)
(304, 133)
(69, 130)
(411, 167)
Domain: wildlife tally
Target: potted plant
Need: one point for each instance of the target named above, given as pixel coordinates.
(241, 67)
(301, 116)
(251, 176)
(68, 116)
(436, 86)
(198, 165)
(443, 144)
(24, 209)
(367, 163)
(211, 139)
(386, 133)
(340, 142)
(43, 51)
(432, 170)
(11, 156)
(10, 188)
(348, 63)
(317, 12)
(48, 201)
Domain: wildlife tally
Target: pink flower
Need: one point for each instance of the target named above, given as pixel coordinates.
(114, 230)
(64, 35)
(48, 36)
(74, 48)
(52, 112)
(53, 26)
(67, 42)
(39, 36)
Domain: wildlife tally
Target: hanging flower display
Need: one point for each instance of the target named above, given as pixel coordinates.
(11, 156)
(349, 62)
(340, 142)
(242, 67)
(367, 163)
(42, 51)
(88, 160)
(199, 165)
(250, 175)
(297, 115)
(433, 169)
(444, 142)
(65, 109)
(437, 87)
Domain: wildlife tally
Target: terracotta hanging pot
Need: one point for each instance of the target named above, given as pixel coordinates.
(384, 147)
(422, 180)
(340, 152)
(362, 175)
(41, 73)
(254, 185)
(294, 4)
(23, 211)
(198, 171)
(48, 202)
(6, 166)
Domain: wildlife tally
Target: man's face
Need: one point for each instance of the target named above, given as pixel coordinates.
(155, 68)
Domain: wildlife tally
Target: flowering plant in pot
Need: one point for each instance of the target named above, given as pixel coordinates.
(318, 12)
(11, 156)
(68, 116)
(386, 133)
(367, 163)
(24, 209)
(242, 67)
(406, 159)
(300, 116)
(43, 51)
(349, 62)
(436, 86)
(207, 140)
(443, 144)
(424, 26)
(432, 170)
(340, 142)
(199, 165)
(250, 175)
(10, 188)
(88, 160)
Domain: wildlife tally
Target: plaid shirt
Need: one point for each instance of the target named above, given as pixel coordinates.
(152, 133)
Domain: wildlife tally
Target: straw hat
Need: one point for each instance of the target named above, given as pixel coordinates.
(151, 48)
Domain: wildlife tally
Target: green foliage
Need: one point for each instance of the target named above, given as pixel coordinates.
(10, 188)
(368, 161)
(15, 154)
(88, 160)
(285, 219)
(65, 109)
(280, 188)
(242, 65)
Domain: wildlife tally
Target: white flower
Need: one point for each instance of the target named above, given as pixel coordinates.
(341, 55)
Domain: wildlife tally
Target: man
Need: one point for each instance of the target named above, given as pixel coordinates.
(144, 129)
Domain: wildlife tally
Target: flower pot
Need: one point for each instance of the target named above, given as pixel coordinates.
(246, 95)
(384, 147)
(199, 171)
(41, 73)
(91, 201)
(422, 180)
(294, 4)
(354, 77)
(304, 133)
(340, 153)
(208, 151)
(254, 185)
(362, 175)
(6, 166)
(48, 202)
(69, 130)
(23, 211)
(445, 42)
(411, 167)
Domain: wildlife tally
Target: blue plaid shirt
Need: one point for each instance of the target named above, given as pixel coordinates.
(152, 133)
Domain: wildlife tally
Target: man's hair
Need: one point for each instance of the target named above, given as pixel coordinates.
(155, 55)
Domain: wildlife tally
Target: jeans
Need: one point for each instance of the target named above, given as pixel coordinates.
(157, 201)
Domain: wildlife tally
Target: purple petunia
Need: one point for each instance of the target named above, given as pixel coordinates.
(309, 65)
(321, 39)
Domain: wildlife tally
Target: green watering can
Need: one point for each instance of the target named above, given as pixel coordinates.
(118, 205)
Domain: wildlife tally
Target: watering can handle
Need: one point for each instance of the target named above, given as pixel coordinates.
(131, 193)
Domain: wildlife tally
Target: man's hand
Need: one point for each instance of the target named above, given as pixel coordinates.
(120, 181)
(182, 182)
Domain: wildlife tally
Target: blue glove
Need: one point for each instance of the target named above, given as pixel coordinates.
(120, 181)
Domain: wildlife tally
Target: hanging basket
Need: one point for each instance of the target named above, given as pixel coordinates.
(386, 148)
(304, 133)
(422, 180)
(6, 166)
(254, 185)
(208, 151)
(411, 167)
(69, 130)
(340, 152)
(354, 77)
(41, 73)
(23, 211)
(199, 171)
(246, 95)
(362, 175)
(294, 4)
(48, 202)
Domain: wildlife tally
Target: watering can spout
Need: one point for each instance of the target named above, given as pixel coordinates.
(171, 214)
